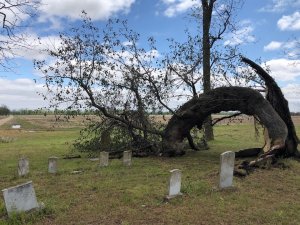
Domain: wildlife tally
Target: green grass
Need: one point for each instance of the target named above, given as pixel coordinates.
(135, 195)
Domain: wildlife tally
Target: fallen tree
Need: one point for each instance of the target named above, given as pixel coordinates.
(91, 73)
(195, 111)
(272, 111)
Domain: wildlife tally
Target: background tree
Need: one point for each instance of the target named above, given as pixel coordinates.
(204, 61)
(4, 110)
(12, 14)
(216, 19)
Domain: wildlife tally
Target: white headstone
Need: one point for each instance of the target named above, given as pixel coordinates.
(16, 126)
(104, 156)
(226, 169)
(52, 164)
(20, 198)
(23, 167)
(175, 183)
(127, 155)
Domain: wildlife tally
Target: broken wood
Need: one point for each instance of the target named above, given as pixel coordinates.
(249, 152)
(280, 104)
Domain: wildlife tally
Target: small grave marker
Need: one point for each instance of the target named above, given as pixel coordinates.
(20, 198)
(174, 184)
(23, 167)
(226, 169)
(52, 164)
(104, 157)
(16, 126)
(127, 155)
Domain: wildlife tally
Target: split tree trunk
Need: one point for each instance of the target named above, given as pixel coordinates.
(194, 112)
(280, 104)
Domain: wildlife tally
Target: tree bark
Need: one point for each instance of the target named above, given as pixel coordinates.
(194, 112)
(280, 104)
(207, 8)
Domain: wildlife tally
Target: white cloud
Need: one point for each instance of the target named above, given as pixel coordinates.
(284, 69)
(280, 5)
(127, 43)
(175, 7)
(273, 45)
(37, 51)
(242, 35)
(290, 22)
(290, 48)
(292, 94)
(96, 9)
(21, 93)
(30, 46)
(168, 1)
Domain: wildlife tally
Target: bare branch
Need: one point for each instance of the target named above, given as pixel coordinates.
(215, 121)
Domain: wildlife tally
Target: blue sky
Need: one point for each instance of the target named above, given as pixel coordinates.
(269, 29)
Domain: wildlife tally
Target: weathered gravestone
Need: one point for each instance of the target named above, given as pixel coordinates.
(23, 167)
(20, 198)
(174, 184)
(104, 157)
(226, 169)
(127, 155)
(52, 164)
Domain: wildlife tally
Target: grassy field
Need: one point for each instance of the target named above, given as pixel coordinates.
(135, 195)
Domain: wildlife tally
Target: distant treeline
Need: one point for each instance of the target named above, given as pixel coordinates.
(295, 113)
(4, 111)
(64, 112)
(51, 112)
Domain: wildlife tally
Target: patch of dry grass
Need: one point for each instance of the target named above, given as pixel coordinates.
(49, 122)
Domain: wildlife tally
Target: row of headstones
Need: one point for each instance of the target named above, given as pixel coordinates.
(104, 158)
(226, 175)
(22, 197)
(23, 165)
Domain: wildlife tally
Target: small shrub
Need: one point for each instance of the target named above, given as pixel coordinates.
(6, 139)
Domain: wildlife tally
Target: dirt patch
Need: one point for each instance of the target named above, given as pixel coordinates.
(296, 120)
(5, 120)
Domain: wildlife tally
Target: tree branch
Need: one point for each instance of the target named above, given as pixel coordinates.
(215, 121)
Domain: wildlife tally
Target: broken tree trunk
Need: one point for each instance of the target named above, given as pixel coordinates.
(245, 100)
(280, 104)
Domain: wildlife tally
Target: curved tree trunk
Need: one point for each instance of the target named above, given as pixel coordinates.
(245, 100)
(280, 104)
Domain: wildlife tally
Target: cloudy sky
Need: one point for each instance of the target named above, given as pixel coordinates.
(269, 29)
